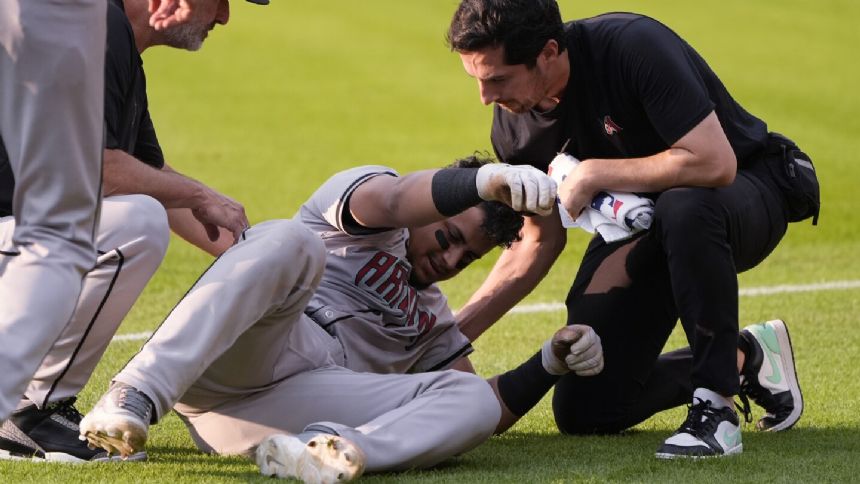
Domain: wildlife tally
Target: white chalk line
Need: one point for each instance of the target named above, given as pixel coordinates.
(131, 336)
(557, 306)
(744, 292)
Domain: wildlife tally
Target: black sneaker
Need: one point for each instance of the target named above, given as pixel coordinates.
(707, 432)
(48, 434)
(769, 377)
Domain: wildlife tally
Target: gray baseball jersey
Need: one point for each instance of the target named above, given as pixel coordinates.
(365, 299)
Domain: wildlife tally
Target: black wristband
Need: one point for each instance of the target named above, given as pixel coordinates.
(454, 190)
(523, 387)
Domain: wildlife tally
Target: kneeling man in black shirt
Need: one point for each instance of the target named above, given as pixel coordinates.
(644, 113)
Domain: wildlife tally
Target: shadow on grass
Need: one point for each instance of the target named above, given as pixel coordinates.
(804, 454)
(801, 454)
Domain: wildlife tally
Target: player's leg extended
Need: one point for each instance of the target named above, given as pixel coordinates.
(709, 235)
(264, 281)
(398, 421)
(132, 239)
(51, 103)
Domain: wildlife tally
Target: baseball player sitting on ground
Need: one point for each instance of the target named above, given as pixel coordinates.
(247, 355)
(132, 236)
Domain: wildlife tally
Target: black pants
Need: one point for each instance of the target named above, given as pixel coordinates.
(633, 292)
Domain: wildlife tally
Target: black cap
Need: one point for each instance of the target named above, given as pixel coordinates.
(260, 2)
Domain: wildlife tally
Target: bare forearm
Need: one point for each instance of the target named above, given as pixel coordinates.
(123, 174)
(411, 201)
(184, 224)
(703, 157)
(507, 284)
(671, 168)
(387, 201)
(514, 276)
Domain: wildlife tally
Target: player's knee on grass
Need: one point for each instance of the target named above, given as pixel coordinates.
(578, 411)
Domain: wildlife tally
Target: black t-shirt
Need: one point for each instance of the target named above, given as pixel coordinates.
(7, 182)
(128, 126)
(635, 88)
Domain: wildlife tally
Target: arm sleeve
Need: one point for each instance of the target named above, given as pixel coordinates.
(118, 77)
(330, 203)
(147, 148)
(664, 74)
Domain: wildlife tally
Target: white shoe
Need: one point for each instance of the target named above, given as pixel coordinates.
(119, 423)
(323, 459)
(769, 377)
(709, 431)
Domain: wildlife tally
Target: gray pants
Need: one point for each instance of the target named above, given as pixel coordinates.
(239, 360)
(51, 118)
(131, 241)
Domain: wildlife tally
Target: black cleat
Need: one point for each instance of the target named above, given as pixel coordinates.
(48, 435)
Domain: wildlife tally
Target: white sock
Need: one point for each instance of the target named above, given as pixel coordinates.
(717, 400)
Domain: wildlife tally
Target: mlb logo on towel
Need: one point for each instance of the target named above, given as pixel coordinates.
(606, 203)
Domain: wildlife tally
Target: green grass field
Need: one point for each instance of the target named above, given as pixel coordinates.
(284, 96)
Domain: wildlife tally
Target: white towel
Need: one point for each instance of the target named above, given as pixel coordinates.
(614, 215)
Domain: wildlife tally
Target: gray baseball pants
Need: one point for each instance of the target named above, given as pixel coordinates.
(240, 361)
(51, 114)
(132, 240)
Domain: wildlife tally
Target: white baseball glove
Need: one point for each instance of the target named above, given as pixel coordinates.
(573, 348)
(524, 188)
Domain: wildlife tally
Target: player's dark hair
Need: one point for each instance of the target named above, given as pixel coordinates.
(521, 27)
(502, 224)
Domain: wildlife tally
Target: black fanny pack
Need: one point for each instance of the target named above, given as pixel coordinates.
(795, 175)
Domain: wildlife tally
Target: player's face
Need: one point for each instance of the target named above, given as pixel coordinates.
(441, 250)
(515, 88)
(191, 34)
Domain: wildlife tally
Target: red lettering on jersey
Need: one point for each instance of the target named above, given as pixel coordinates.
(388, 276)
(426, 321)
(378, 265)
(407, 299)
(432, 323)
(394, 284)
(412, 317)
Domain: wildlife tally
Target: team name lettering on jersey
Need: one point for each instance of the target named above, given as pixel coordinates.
(388, 277)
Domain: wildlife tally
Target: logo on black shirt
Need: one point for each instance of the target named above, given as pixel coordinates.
(610, 126)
